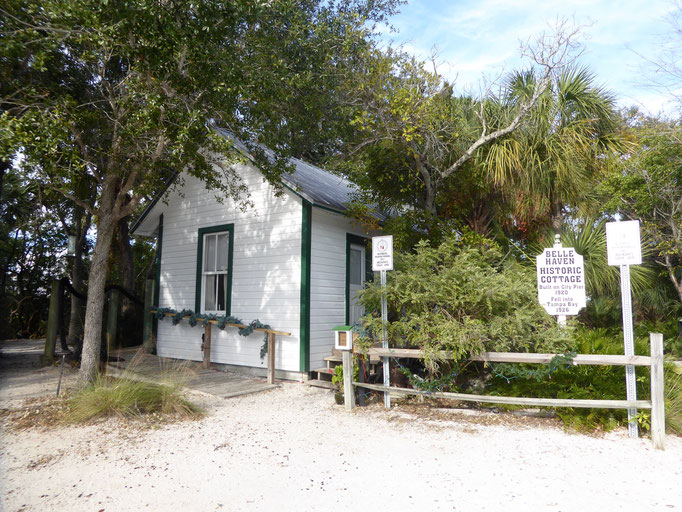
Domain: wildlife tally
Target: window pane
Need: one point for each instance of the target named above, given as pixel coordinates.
(209, 293)
(222, 251)
(209, 253)
(355, 267)
(221, 292)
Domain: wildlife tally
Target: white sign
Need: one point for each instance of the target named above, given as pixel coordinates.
(561, 281)
(623, 244)
(382, 253)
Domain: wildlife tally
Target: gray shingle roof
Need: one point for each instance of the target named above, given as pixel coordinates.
(320, 187)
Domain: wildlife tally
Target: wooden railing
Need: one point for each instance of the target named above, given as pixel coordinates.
(655, 362)
(206, 345)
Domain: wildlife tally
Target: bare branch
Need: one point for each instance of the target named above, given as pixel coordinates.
(552, 53)
(73, 198)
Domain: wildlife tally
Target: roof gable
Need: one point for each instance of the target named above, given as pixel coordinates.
(314, 184)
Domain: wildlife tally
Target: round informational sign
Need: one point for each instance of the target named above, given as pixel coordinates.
(561, 281)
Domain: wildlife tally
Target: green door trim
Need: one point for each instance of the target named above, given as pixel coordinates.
(304, 311)
(352, 239)
(157, 285)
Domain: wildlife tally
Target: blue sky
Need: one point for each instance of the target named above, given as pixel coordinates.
(480, 38)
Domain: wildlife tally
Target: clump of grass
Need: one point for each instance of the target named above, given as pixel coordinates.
(129, 396)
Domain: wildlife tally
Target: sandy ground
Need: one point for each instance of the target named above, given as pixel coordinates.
(293, 449)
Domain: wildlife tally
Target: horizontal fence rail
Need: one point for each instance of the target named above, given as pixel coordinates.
(518, 357)
(655, 362)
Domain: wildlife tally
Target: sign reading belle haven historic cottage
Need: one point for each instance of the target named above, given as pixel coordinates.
(561, 281)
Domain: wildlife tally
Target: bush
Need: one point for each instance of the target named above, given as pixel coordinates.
(465, 298)
(596, 382)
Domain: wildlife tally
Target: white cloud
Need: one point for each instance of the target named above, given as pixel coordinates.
(482, 37)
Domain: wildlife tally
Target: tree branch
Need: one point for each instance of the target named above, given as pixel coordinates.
(551, 52)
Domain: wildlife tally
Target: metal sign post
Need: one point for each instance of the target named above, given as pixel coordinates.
(382, 260)
(629, 341)
(384, 341)
(624, 248)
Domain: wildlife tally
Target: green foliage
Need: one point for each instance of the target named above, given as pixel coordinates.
(555, 159)
(463, 298)
(672, 340)
(598, 382)
(509, 372)
(588, 237)
(673, 398)
(337, 376)
(30, 242)
(648, 186)
(583, 382)
(121, 95)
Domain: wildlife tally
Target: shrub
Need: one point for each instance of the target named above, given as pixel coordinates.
(465, 298)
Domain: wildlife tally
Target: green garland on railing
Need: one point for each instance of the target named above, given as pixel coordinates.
(509, 372)
(503, 371)
(221, 320)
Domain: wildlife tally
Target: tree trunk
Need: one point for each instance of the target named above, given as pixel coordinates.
(130, 325)
(125, 252)
(556, 216)
(92, 337)
(77, 281)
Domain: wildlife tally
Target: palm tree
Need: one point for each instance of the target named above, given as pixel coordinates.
(555, 159)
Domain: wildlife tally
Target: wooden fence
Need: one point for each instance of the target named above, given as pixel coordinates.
(655, 362)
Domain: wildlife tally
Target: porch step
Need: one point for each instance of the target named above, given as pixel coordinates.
(318, 383)
(326, 371)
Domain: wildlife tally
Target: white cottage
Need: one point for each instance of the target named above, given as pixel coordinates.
(294, 262)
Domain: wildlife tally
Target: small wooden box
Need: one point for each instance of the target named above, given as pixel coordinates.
(343, 337)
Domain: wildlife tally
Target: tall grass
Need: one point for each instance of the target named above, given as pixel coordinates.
(129, 396)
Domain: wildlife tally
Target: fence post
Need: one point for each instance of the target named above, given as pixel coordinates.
(52, 324)
(148, 341)
(207, 346)
(348, 390)
(271, 358)
(112, 320)
(657, 391)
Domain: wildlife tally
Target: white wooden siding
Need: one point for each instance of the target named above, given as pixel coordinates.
(265, 274)
(328, 280)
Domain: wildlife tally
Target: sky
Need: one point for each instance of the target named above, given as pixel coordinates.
(480, 39)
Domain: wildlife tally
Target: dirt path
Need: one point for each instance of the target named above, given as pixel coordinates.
(292, 449)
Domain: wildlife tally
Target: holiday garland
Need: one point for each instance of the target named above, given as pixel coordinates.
(221, 322)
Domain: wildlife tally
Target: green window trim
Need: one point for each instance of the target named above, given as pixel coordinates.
(306, 255)
(229, 228)
(352, 239)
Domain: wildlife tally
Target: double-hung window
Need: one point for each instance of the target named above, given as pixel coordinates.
(214, 269)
